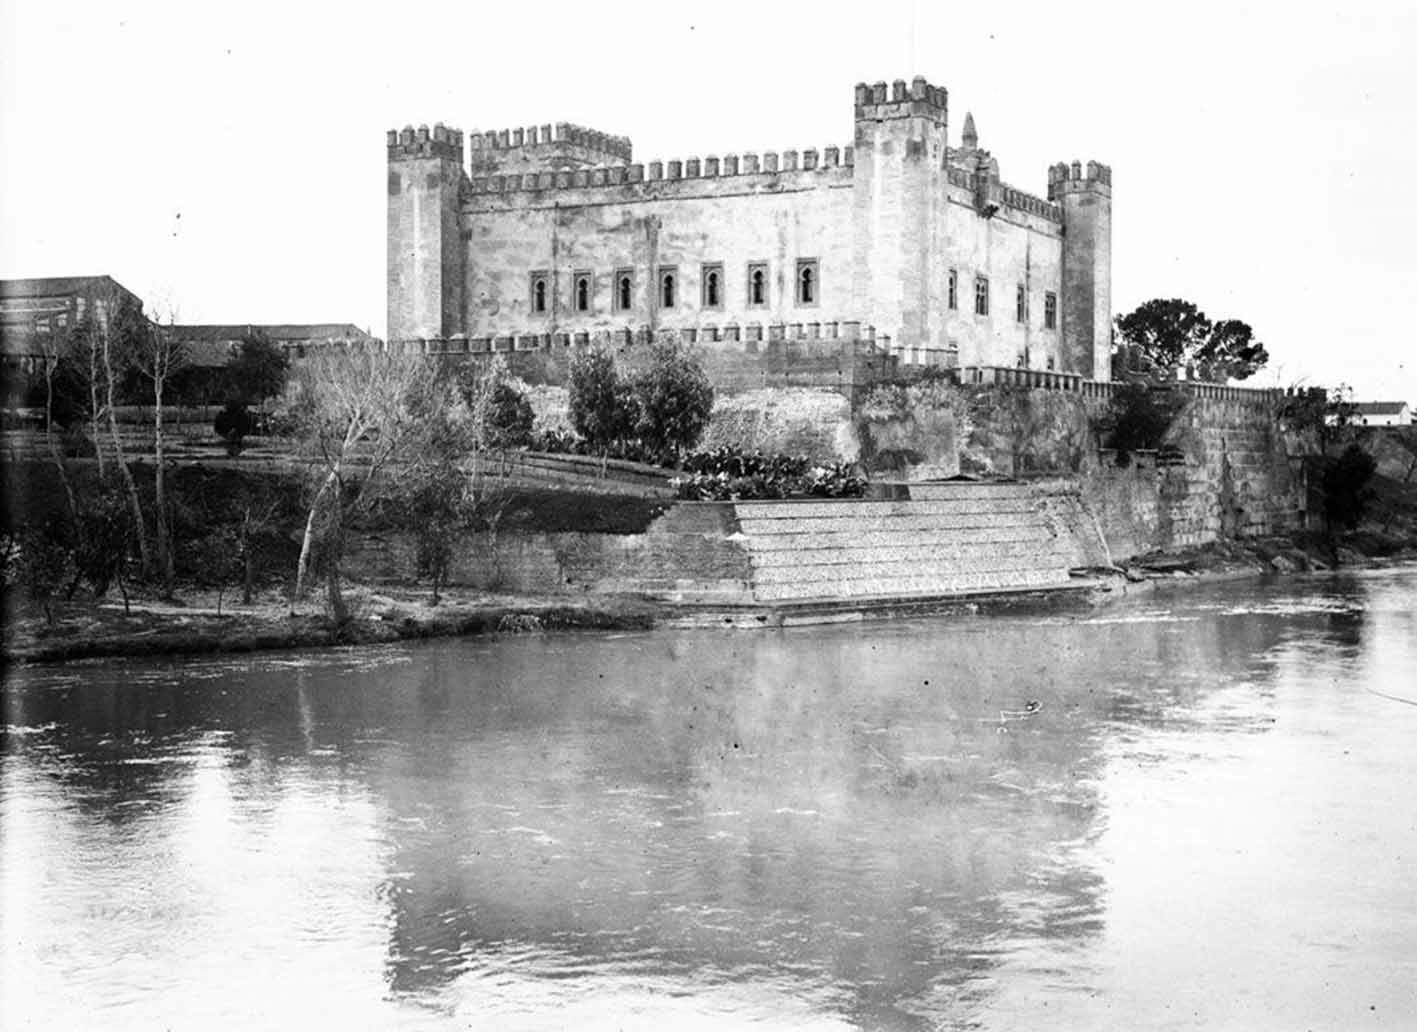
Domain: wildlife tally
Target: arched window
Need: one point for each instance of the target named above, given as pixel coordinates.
(666, 288)
(583, 293)
(539, 293)
(711, 290)
(807, 282)
(624, 290)
(757, 285)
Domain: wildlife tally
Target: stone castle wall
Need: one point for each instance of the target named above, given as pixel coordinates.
(886, 222)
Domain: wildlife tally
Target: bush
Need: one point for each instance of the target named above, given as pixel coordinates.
(673, 402)
(233, 424)
(1346, 486)
(1138, 419)
(727, 474)
(510, 417)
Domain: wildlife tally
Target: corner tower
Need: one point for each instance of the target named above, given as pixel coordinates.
(1086, 200)
(425, 260)
(897, 222)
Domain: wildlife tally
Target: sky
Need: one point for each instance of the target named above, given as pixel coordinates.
(226, 162)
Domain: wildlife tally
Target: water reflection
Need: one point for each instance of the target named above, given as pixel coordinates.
(908, 825)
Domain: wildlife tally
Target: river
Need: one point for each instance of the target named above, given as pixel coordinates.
(1191, 810)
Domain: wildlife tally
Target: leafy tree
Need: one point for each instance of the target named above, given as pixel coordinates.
(1346, 486)
(510, 417)
(674, 400)
(1328, 414)
(258, 370)
(43, 563)
(1138, 418)
(598, 399)
(1174, 334)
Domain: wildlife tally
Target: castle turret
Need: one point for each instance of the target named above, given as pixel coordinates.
(1086, 200)
(425, 281)
(898, 186)
(970, 136)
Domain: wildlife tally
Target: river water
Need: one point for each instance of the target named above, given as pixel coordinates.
(1189, 811)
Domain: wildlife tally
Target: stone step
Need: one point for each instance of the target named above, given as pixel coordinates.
(891, 523)
(1005, 567)
(855, 508)
(809, 546)
(898, 587)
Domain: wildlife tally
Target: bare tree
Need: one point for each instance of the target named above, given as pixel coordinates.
(360, 416)
(50, 357)
(114, 332)
(158, 355)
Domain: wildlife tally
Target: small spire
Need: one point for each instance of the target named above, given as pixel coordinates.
(970, 137)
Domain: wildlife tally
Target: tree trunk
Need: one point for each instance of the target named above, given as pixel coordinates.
(94, 409)
(144, 555)
(160, 520)
(247, 566)
(336, 595)
(53, 448)
(302, 567)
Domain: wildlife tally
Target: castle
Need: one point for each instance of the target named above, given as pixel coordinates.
(551, 233)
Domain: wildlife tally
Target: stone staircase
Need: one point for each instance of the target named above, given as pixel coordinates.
(945, 540)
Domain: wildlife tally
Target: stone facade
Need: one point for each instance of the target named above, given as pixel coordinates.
(554, 232)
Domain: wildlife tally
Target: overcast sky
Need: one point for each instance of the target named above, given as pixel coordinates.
(229, 160)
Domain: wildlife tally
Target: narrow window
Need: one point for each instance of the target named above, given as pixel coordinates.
(668, 282)
(1021, 304)
(981, 295)
(954, 290)
(539, 293)
(624, 290)
(1050, 311)
(713, 286)
(757, 285)
(582, 292)
(807, 285)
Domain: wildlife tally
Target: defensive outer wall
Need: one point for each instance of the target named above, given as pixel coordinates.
(1047, 501)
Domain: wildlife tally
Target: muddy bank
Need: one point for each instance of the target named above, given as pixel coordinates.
(191, 624)
(1230, 560)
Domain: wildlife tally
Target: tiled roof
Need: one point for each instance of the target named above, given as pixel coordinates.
(58, 286)
(1380, 408)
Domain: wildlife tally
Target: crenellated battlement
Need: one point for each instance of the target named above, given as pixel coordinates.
(558, 136)
(730, 334)
(439, 142)
(918, 99)
(1003, 194)
(771, 163)
(1064, 178)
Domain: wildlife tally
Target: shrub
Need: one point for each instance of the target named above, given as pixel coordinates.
(727, 474)
(1346, 486)
(509, 417)
(233, 424)
(673, 402)
(1138, 419)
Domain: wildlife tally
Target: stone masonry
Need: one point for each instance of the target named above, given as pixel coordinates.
(556, 233)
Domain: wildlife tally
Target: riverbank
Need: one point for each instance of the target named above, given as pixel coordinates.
(198, 622)
(193, 623)
(1245, 559)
